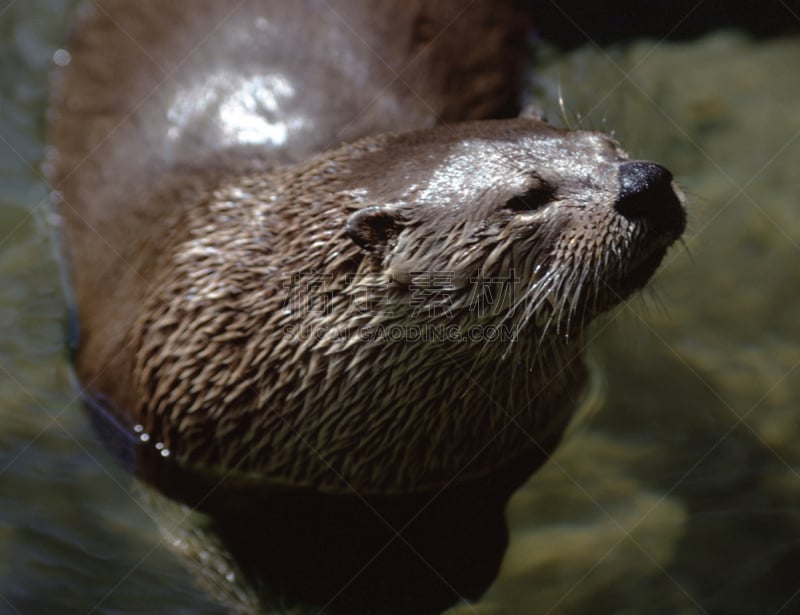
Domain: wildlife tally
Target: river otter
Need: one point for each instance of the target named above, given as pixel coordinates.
(396, 314)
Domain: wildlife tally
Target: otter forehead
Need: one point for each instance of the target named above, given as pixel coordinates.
(477, 165)
(577, 164)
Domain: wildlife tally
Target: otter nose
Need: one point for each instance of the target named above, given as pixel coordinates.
(642, 186)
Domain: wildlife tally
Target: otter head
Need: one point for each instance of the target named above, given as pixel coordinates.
(565, 215)
(400, 313)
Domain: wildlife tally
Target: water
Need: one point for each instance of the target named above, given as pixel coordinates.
(72, 540)
(677, 493)
(680, 494)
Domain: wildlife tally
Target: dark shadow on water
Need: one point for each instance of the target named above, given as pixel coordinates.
(409, 555)
(347, 554)
(569, 23)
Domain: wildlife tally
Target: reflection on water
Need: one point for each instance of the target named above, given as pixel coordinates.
(679, 495)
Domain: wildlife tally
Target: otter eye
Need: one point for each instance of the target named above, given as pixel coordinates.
(531, 200)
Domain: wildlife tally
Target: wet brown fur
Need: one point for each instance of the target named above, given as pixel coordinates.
(188, 266)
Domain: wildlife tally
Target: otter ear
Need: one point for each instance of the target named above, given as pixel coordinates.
(373, 227)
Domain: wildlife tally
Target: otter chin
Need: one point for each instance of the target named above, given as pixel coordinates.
(398, 314)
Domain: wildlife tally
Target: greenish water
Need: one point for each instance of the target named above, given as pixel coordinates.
(678, 493)
(72, 538)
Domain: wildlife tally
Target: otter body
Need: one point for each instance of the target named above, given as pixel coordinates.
(395, 314)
